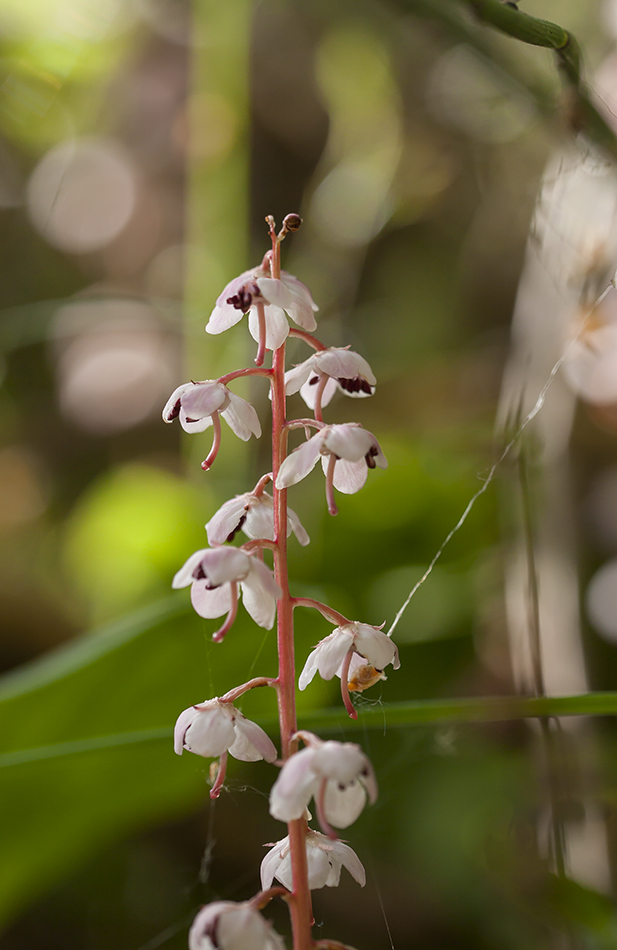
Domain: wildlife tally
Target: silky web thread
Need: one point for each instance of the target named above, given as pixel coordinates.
(612, 285)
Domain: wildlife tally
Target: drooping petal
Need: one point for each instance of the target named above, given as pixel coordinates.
(350, 860)
(172, 406)
(298, 288)
(245, 929)
(272, 865)
(327, 656)
(301, 461)
(222, 318)
(227, 519)
(301, 312)
(348, 442)
(375, 646)
(251, 742)
(309, 670)
(294, 787)
(202, 399)
(309, 391)
(342, 805)
(260, 593)
(275, 292)
(241, 418)
(210, 603)
(221, 565)
(277, 327)
(183, 721)
(210, 733)
(260, 518)
(321, 870)
(204, 925)
(194, 425)
(296, 377)
(294, 524)
(349, 477)
(184, 576)
(341, 761)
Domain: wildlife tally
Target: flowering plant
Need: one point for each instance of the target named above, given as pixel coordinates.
(337, 776)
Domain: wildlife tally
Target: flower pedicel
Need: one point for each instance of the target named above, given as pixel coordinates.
(336, 775)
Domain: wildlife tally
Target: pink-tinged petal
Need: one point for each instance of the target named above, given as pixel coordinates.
(341, 761)
(225, 564)
(275, 292)
(348, 442)
(301, 312)
(308, 673)
(183, 721)
(320, 869)
(251, 742)
(350, 860)
(297, 287)
(296, 377)
(227, 520)
(172, 406)
(241, 418)
(309, 390)
(330, 652)
(342, 363)
(211, 732)
(185, 575)
(301, 461)
(277, 327)
(259, 595)
(243, 928)
(222, 318)
(260, 518)
(210, 603)
(203, 399)
(343, 805)
(375, 646)
(349, 477)
(272, 865)
(235, 285)
(204, 925)
(194, 425)
(294, 524)
(294, 787)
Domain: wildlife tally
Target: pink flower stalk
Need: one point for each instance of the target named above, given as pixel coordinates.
(214, 727)
(214, 575)
(346, 452)
(337, 775)
(369, 645)
(325, 859)
(254, 514)
(319, 377)
(226, 925)
(256, 290)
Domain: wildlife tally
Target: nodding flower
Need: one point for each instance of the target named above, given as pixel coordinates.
(227, 925)
(267, 301)
(214, 575)
(364, 642)
(346, 451)
(324, 858)
(329, 370)
(337, 775)
(254, 514)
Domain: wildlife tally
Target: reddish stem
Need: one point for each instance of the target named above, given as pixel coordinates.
(345, 684)
(308, 338)
(261, 320)
(238, 691)
(219, 636)
(330, 485)
(303, 423)
(321, 385)
(264, 897)
(258, 544)
(249, 371)
(216, 789)
(216, 443)
(300, 900)
(261, 484)
(333, 615)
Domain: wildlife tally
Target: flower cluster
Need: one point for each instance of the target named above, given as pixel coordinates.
(336, 776)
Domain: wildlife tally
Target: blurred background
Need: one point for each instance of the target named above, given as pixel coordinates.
(457, 234)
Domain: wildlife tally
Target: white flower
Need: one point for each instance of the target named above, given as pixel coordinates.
(344, 369)
(337, 774)
(213, 727)
(225, 925)
(214, 574)
(196, 404)
(367, 642)
(347, 452)
(278, 297)
(325, 858)
(253, 514)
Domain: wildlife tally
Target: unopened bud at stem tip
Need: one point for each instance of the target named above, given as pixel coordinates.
(292, 222)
